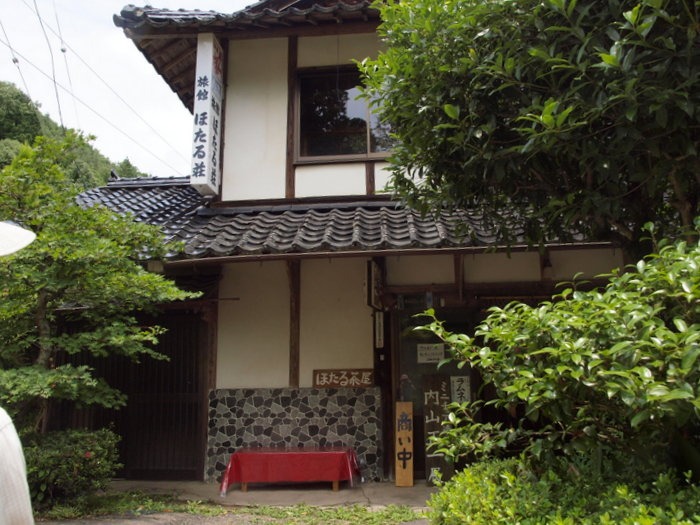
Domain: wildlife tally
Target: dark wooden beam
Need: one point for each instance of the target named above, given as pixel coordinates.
(294, 276)
(292, 54)
(187, 56)
(459, 274)
(346, 28)
(326, 254)
(503, 289)
(222, 140)
(369, 178)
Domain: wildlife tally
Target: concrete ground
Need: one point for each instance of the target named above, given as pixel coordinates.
(369, 494)
(373, 495)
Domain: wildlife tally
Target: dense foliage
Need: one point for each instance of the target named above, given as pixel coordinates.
(77, 288)
(594, 373)
(19, 118)
(69, 464)
(509, 491)
(22, 122)
(549, 116)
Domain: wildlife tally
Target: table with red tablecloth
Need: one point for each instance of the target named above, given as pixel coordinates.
(290, 465)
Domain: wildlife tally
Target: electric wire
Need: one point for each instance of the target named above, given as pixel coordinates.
(53, 65)
(65, 61)
(165, 163)
(114, 92)
(15, 61)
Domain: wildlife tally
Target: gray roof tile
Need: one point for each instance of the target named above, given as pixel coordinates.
(262, 15)
(371, 226)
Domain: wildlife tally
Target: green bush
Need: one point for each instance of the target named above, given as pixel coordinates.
(599, 372)
(69, 464)
(508, 491)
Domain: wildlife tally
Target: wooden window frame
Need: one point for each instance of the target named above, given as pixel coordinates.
(327, 159)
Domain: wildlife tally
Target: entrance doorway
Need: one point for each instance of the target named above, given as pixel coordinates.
(162, 424)
(418, 379)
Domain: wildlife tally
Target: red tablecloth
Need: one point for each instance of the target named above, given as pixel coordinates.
(274, 465)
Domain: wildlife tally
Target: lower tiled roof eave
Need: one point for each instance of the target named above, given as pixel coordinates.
(192, 258)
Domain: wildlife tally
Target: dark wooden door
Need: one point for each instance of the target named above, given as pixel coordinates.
(163, 425)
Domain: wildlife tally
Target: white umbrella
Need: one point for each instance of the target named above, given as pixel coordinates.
(13, 237)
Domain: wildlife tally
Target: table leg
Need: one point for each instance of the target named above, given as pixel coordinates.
(336, 485)
(244, 487)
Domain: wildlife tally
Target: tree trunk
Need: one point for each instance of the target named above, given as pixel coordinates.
(44, 358)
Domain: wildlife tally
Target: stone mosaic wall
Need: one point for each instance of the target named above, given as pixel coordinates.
(295, 417)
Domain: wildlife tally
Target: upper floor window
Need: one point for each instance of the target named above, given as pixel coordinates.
(334, 121)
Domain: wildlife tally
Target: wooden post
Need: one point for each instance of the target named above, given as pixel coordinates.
(404, 443)
(292, 52)
(369, 178)
(294, 274)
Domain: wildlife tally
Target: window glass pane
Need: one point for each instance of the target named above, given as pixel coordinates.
(379, 138)
(333, 120)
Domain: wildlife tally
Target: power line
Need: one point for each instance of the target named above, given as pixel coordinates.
(15, 61)
(115, 93)
(53, 65)
(94, 111)
(65, 61)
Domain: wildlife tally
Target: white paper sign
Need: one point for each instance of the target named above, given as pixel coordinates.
(431, 353)
(461, 389)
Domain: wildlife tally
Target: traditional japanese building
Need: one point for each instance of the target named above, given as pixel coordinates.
(311, 273)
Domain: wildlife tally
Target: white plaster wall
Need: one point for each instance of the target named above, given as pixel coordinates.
(567, 263)
(419, 269)
(253, 331)
(382, 176)
(315, 51)
(330, 179)
(502, 267)
(256, 120)
(336, 323)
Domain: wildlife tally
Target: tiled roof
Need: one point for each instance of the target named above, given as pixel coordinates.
(262, 15)
(169, 203)
(367, 226)
(361, 227)
(168, 37)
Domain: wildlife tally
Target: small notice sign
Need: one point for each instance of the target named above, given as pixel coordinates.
(431, 353)
(355, 377)
(461, 389)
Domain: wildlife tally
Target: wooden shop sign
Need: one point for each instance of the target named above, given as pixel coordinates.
(403, 446)
(344, 378)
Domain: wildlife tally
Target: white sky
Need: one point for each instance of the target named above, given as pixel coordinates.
(90, 37)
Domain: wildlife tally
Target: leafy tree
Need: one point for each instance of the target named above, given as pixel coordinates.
(126, 170)
(19, 116)
(86, 166)
(51, 129)
(551, 116)
(603, 373)
(82, 271)
(21, 121)
(8, 149)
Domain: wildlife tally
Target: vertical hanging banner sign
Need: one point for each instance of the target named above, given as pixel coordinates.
(404, 444)
(205, 176)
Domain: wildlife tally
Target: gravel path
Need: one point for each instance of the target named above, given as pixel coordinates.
(186, 519)
(170, 519)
